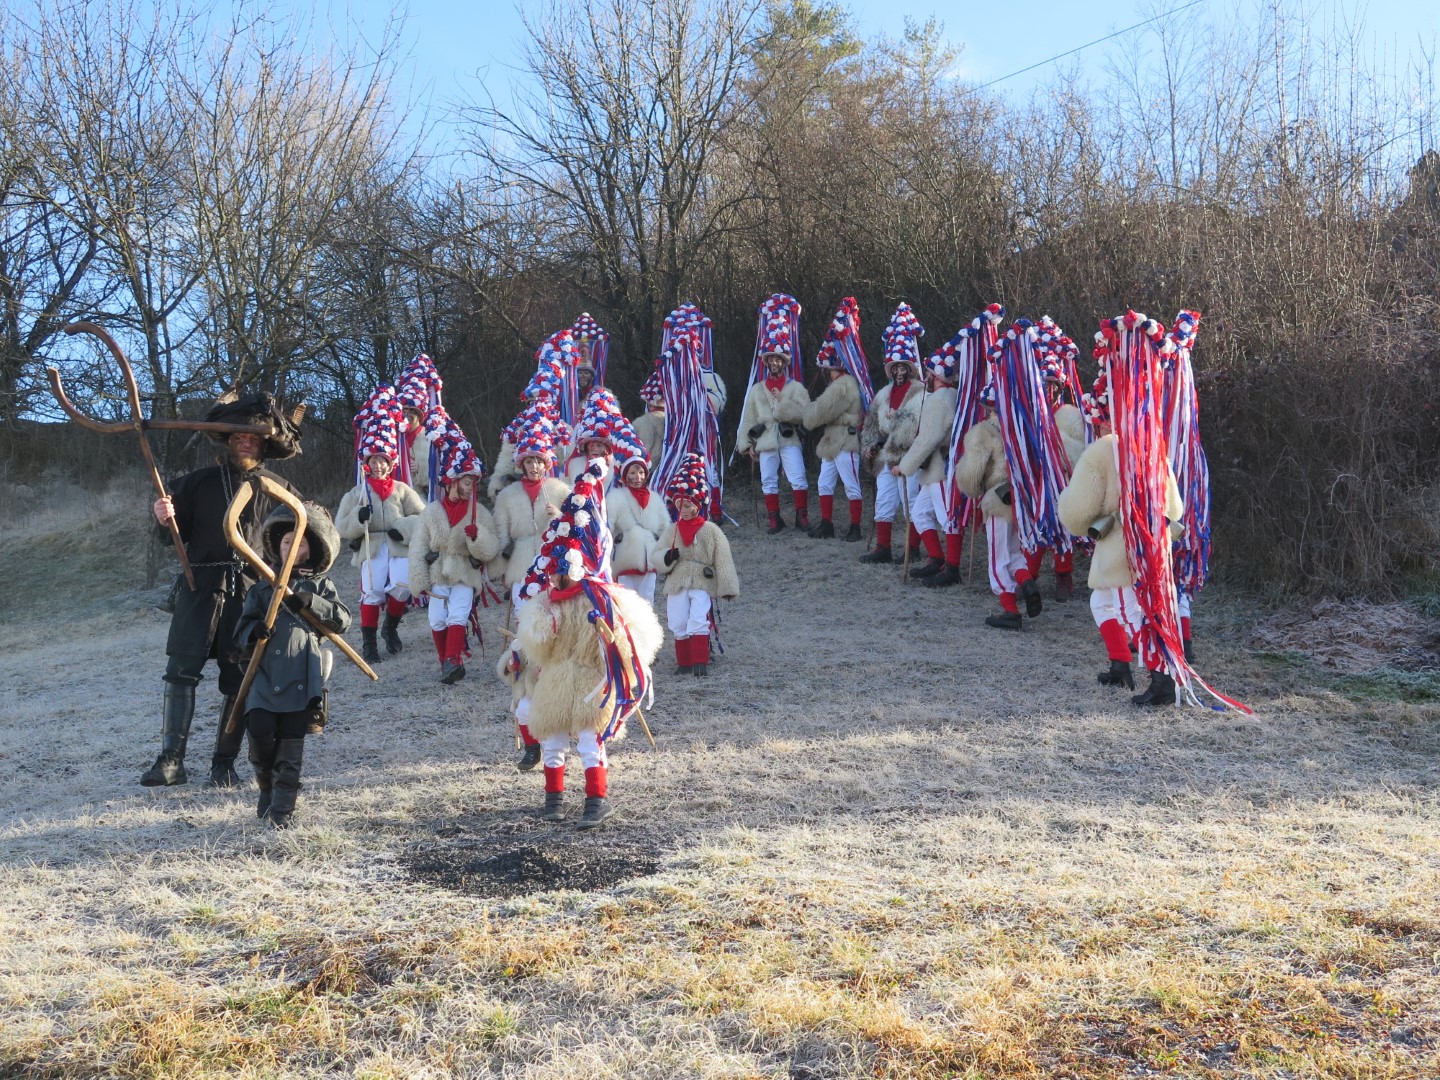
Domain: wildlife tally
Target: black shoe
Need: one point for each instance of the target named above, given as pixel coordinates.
(451, 672)
(529, 757)
(1006, 620)
(1118, 675)
(369, 650)
(1189, 652)
(700, 671)
(802, 519)
(554, 806)
(390, 634)
(930, 569)
(852, 534)
(262, 804)
(222, 773)
(168, 771)
(597, 809)
(176, 715)
(878, 555)
(776, 522)
(1161, 690)
(824, 531)
(944, 579)
(1029, 592)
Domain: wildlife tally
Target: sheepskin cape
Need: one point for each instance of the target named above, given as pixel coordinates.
(930, 450)
(836, 413)
(711, 550)
(559, 640)
(461, 560)
(897, 427)
(982, 468)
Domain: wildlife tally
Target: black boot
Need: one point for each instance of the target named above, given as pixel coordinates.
(529, 757)
(1189, 652)
(554, 806)
(227, 749)
(776, 522)
(369, 651)
(289, 755)
(262, 760)
(451, 671)
(1064, 586)
(1006, 620)
(1161, 690)
(700, 671)
(1029, 592)
(823, 531)
(945, 578)
(929, 570)
(852, 534)
(878, 555)
(390, 634)
(176, 715)
(802, 518)
(1118, 675)
(597, 809)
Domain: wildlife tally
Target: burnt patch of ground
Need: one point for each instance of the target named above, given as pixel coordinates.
(504, 867)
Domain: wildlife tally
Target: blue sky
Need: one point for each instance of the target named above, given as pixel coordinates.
(458, 49)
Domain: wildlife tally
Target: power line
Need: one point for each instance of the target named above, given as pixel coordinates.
(1097, 41)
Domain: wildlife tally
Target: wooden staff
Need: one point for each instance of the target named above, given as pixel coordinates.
(140, 425)
(237, 541)
(905, 505)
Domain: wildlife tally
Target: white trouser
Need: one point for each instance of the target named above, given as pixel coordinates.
(383, 574)
(887, 494)
(644, 584)
(522, 711)
(1005, 554)
(450, 605)
(846, 467)
(927, 509)
(688, 613)
(1182, 603)
(794, 461)
(1120, 604)
(587, 745)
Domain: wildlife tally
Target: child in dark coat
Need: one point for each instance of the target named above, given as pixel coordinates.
(287, 699)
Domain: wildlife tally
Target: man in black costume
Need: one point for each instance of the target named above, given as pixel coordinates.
(203, 624)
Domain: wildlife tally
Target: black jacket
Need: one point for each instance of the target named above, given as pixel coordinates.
(204, 620)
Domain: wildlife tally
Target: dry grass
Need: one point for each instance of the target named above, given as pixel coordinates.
(891, 844)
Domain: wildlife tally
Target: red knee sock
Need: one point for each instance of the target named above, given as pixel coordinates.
(1185, 628)
(857, 507)
(596, 781)
(1032, 561)
(1023, 575)
(439, 637)
(526, 737)
(931, 540)
(369, 616)
(802, 499)
(1065, 563)
(1117, 642)
(1150, 651)
(395, 608)
(1007, 603)
(827, 507)
(700, 648)
(716, 512)
(772, 503)
(912, 538)
(554, 777)
(455, 643)
(952, 548)
(882, 534)
(682, 651)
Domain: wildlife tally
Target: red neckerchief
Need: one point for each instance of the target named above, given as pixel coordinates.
(410, 436)
(642, 495)
(532, 487)
(775, 384)
(454, 510)
(383, 488)
(569, 592)
(897, 395)
(688, 529)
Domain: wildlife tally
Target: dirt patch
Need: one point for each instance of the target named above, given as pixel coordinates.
(1352, 637)
(581, 865)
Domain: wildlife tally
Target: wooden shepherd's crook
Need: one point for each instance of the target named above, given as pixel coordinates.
(237, 541)
(139, 425)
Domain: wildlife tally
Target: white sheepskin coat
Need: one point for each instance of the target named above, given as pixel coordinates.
(520, 520)
(462, 560)
(401, 511)
(898, 427)
(930, 450)
(636, 531)
(836, 414)
(771, 409)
